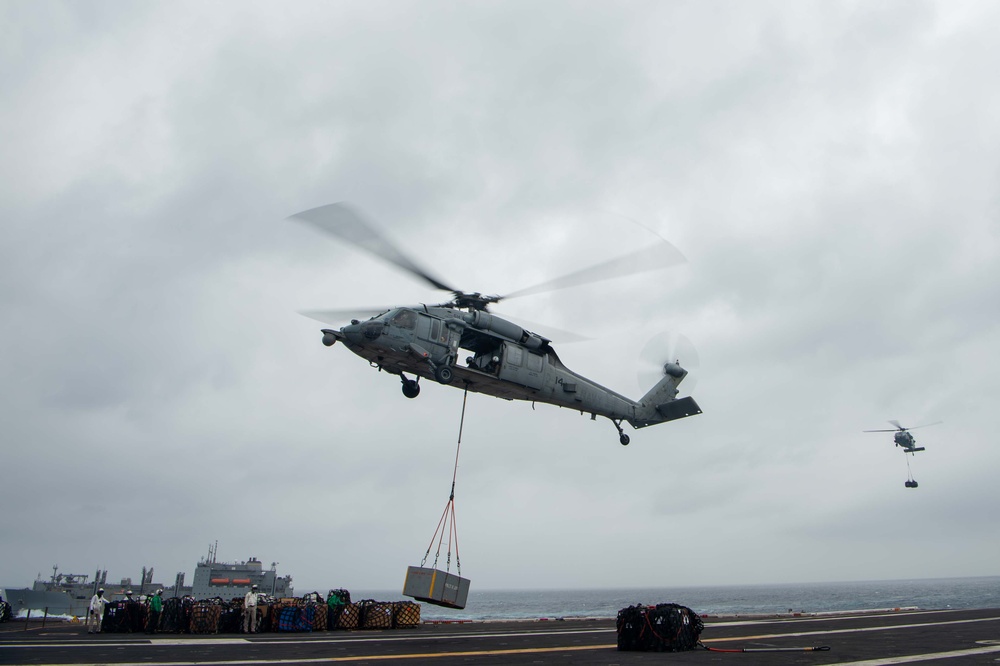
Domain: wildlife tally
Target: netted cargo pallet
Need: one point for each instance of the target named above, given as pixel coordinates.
(269, 620)
(660, 628)
(320, 619)
(299, 618)
(205, 617)
(176, 617)
(350, 617)
(123, 617)
(231, 616)
(405, 614)
(265, 618)
(376, 614)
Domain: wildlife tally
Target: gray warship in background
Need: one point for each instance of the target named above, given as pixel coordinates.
(69, 594)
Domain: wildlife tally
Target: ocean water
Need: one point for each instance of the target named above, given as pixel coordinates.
(927, 594)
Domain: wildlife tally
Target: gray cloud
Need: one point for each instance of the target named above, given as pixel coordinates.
(828, 170)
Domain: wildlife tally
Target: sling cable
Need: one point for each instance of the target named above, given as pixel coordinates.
(430, 584)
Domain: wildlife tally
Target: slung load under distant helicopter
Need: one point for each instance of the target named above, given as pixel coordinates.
(506, 360)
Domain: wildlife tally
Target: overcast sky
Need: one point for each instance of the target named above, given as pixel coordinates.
(830, 171)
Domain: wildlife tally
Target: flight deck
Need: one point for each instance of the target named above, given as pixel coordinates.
(870, 638)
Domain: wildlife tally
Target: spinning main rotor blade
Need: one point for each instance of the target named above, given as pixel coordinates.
(654, 257)
(348, 224)
(340, 316)
(900, 427)
(924, 425)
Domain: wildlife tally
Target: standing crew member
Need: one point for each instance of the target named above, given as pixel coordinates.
(250, 611)
(96, 612)
(155, 607)
(335, 606)
(131, 615)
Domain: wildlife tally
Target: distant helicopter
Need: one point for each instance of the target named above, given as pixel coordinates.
(506, 361)
(904, 439)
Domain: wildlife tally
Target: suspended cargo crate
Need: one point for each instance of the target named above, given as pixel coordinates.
(437, 587)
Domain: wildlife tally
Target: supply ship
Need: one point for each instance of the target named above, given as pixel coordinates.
(69, 594)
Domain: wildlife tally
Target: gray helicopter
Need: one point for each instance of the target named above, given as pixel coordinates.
(501, 358)
(903, 438)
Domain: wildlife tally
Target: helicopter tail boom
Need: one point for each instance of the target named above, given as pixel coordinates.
(661, 404)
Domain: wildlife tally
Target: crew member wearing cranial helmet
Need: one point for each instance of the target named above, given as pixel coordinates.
(155, 607)
(95, 612)
(250, 610)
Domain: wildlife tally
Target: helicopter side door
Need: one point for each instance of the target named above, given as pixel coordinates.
(521, 366)
(435, 336)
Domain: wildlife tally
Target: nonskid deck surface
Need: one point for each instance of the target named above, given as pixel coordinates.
(871, 638)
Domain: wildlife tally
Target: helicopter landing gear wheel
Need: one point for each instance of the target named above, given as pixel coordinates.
(443, 374)
(622, 437)
(411, 389)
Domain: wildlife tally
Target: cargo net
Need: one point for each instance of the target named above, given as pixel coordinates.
(205, 616)
(376, 614)
(349, 617)
(300, 618)
(290, 614)
(176, 616)
(405, 614)
(660, 628)
(124, 617)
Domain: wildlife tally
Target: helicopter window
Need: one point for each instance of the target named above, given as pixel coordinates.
(514, 355)
(439, 332)
(534, 362)
(405, 319)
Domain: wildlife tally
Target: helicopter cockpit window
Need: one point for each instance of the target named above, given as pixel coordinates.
(405, 319)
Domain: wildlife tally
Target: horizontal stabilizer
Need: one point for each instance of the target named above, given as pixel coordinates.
(678, 409)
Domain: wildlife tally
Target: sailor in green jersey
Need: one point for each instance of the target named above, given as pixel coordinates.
(155, 608)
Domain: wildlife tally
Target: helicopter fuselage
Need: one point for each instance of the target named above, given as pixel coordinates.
(504, 360)
(906, 441)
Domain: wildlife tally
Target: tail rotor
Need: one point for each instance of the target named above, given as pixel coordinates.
(663, 349)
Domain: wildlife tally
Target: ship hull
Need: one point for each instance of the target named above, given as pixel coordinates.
(41, 602)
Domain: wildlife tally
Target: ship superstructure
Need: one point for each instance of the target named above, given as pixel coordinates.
(227, 580)
(69, 594)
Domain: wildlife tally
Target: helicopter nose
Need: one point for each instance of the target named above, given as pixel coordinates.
(364, 332)
(353, 333)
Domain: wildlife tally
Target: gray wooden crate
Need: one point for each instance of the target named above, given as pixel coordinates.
(437, 587)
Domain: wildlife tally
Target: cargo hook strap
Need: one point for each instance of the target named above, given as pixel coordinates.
(447, 522)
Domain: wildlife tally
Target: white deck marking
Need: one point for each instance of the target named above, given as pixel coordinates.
(913, 658)
(850, 631)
